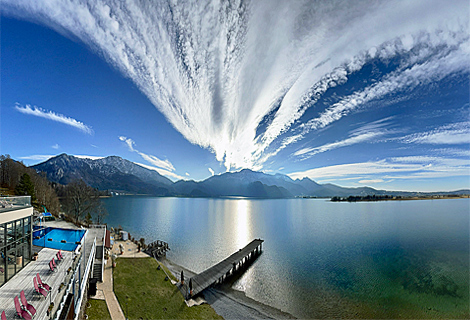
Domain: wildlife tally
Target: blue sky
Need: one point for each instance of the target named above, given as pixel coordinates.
(356, 94)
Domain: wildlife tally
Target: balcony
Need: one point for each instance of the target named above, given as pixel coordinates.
(14, 203)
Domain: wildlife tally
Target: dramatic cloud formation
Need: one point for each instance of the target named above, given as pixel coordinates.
(51, 115)
(235, 76)
(163, 167)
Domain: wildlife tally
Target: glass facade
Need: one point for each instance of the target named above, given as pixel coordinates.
(15, 247)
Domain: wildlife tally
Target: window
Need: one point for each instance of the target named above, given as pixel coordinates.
(15, 247)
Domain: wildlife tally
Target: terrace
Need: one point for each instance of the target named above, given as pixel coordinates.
(24, 281)
(69, 282)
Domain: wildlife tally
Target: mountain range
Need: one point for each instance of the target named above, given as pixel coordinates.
(123, 176)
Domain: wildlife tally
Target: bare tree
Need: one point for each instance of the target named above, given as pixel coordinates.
(45, 194)
(100, 213)
(80, 199)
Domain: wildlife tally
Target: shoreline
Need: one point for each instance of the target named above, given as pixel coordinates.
(364, 199)
(228, 302)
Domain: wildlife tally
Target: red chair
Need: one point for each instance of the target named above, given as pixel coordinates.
(21, 313)
(60, 254)
(42, 284)
(39, 290)
(26, 305)
(51, 266)
(53, 263)
(4, 317)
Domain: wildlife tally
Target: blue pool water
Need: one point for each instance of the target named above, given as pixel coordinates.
(56, 238)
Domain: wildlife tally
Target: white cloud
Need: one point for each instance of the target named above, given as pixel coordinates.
(308, 152)
(164, 165)
(161, 171)
(365, 133)
(211, 171)
(371, 181)
(51, 115)
(187, 174)
(130, 143)
(56, 146)
(404, 168)
(38, 157)
(215, 70)
(457, 133)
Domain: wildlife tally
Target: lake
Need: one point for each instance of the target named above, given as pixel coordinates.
(321, 259)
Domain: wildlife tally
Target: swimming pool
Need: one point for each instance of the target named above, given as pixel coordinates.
(57, 238)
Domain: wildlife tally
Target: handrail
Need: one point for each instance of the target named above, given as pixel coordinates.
(85, 276)
(103, 259)
(67, 291)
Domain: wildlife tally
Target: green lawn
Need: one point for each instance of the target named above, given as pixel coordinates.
(98, 310)
(138, 282)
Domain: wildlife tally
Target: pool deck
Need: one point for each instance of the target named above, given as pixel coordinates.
(24, 281)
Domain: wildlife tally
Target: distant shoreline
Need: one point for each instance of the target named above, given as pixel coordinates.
(390, 198)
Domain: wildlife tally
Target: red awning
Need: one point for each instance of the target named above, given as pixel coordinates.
(107, 240)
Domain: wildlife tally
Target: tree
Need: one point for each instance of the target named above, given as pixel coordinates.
(45, 194)
(100, 213)
(80, 199)
(25, 187)
(88, 219)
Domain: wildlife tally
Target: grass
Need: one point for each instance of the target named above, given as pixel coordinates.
(98, 310)
(143, 293)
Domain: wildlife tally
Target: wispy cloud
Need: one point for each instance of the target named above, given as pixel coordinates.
(403, 168)
(165, 167)
(371, 181)
(56, 146)
(51, 115)
(161, 171)
(308, 152)
(37, 157)
(211, 171)
(216, 70)
(44, 157)
(456, 133)
(367, 133)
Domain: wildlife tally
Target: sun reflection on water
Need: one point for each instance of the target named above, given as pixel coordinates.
(243, 223)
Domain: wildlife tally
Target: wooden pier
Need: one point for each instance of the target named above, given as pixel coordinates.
(218, 273)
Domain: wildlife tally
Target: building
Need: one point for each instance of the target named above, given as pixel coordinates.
(15, 235)
(80, 259)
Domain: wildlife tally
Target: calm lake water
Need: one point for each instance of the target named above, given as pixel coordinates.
(320, 259)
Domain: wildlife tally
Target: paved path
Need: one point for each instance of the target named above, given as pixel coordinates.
(105, 289)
